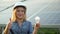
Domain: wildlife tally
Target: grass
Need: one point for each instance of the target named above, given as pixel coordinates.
(48, 31)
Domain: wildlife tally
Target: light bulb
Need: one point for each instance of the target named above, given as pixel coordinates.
(37, 19)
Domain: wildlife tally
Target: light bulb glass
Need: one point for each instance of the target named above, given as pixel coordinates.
(37, 19)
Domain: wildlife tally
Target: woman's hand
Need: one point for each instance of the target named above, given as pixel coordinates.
(9, 24)
(37, 26)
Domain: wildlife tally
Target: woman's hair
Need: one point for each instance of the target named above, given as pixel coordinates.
(13, 18)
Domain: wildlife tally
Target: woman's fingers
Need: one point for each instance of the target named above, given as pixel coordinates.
(9, 24)
(10, 20)
(37, 26)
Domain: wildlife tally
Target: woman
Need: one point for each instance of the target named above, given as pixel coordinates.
(18, 23)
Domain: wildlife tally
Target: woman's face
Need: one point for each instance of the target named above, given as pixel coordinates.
(20, 12)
